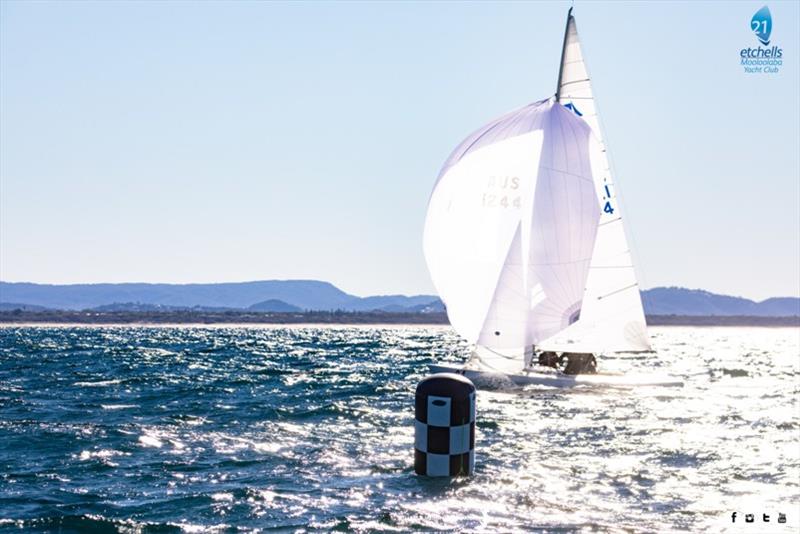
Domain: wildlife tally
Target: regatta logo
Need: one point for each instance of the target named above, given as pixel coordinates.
(761, 60)
(761, 24)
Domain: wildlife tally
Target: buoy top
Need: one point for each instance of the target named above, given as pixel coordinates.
(446, 385)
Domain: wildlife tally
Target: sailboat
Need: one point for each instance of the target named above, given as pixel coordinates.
(526, 244)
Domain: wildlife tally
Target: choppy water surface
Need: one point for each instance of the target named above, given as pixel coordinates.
(311, 428)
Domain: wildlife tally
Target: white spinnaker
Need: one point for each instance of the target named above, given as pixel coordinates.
(511, 226)
(612, 318)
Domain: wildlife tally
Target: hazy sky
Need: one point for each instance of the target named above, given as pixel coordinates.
(200, 142)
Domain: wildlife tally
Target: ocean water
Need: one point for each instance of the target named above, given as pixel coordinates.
(311, 428)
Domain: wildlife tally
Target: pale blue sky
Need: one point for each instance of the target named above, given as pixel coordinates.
(200, 142)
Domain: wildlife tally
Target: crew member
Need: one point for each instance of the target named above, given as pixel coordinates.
(577, 363)
(548, 359)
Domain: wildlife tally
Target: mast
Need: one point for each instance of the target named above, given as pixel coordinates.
(563, 49)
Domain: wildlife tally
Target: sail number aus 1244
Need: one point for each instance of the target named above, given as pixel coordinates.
(502, 192)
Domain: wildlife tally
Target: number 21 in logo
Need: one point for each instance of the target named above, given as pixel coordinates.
(761, 24)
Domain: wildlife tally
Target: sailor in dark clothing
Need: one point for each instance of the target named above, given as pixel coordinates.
(548, 359)
(578, 363)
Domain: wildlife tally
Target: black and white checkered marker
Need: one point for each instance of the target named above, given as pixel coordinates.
(444, 426)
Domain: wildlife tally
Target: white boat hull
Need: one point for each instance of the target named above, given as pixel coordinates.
(560, 380)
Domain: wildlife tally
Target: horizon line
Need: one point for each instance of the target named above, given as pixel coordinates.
(353, 294)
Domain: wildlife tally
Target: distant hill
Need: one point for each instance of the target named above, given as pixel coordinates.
(11, 306)
(303, 295)
(398, 303)
(682, 301)
(298, 294)
(436, 306)
(147, 308)
(133, 307)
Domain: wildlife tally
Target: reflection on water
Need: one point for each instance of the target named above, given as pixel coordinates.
(311, 428)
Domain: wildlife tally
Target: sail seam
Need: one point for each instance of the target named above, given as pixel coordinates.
(562, 262)
(568, 173)
(565, 290)
(566, 194)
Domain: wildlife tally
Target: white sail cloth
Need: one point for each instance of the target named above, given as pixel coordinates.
(511, 227)
(612, 318)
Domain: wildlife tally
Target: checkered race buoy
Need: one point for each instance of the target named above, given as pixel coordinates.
(444, 426)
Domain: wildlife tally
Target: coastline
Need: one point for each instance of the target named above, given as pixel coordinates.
(228, 319)
(220, 326)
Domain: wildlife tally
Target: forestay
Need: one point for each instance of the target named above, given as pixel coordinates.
(511, 227)
(612, 318)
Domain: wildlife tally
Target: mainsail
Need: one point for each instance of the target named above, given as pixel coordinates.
(511, 227)
(611, 318)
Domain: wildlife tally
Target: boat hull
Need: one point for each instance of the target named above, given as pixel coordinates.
(560, 380)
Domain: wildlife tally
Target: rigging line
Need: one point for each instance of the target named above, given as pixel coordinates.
(500, 354)
(617, 291)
